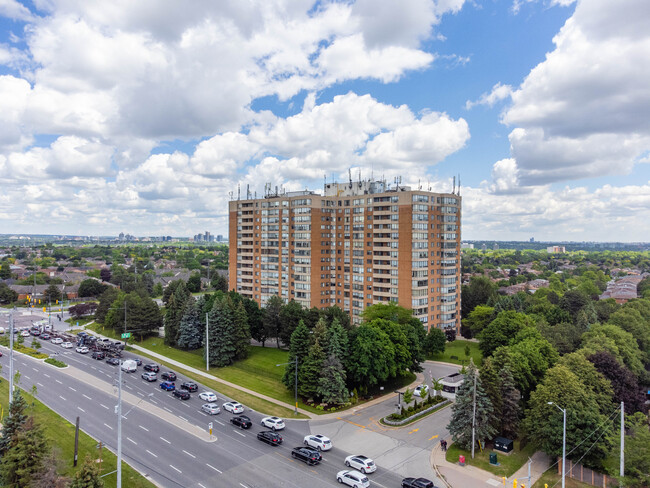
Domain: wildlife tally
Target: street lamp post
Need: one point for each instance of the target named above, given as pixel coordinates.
(294, 362)
(563, 410)
(399, 398)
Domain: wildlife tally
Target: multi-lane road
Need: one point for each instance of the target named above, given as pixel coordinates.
(167, 439)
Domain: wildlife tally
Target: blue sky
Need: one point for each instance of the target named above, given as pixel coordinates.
(142, 117)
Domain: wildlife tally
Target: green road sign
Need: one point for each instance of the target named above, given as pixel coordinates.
(126, 335)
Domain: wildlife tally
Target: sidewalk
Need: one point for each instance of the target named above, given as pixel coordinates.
(457, 476)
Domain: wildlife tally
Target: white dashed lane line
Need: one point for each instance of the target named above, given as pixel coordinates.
(81, 409)
(168, 409)
(163, 439)
(46, 375)
(62, 398)
(237, 432)
(72, 388)
(154, 455)
(102, 405)
(59, 382)
(131, 440)
(86, 396)
(143, 428)
(210, 466)
(175, 468)
(189, 454)
(106, 425)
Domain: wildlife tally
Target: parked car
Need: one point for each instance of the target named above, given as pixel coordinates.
(181, 394)
(149, 376)
(353, 478)
(417, 483)
(318, 441)
(98, 355)
(306, 455)
(273, 423)
(208, 396)
(242, 421)
(82, 350)
(168, 375)
(45, 336)
(66, 345)
(167, 386)
(361, 463)
(152, 367)
(421, 391)
(57, 340)
(113, 361)
(210, 408)
(233, 407)
(270, 437)
(190, 386)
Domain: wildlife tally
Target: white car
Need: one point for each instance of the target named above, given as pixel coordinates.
(233, 407)
(421, 391)
(273, 423)
(353, 478)
(362, 463)
(210, 408)
(208, 396)
(25, 333)
(57, 340)
(82, 350)
(318, 441)
(66, 345)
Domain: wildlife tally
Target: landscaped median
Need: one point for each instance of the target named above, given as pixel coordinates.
(411, 414)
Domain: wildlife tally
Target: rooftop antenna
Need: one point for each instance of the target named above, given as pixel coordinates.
(359, 174)
(429, 184)
(419, 185)
(230, 194)
(324, 181)
(255, 192)
(454, 187)
(238, 191)
(248, 191)
(350, 176)
(458, 184)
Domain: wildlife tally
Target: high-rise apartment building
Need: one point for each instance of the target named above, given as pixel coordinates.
(357, 244)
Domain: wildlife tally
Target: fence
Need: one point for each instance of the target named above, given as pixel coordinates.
(586, 475)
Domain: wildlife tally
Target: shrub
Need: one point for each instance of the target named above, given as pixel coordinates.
(56, 362)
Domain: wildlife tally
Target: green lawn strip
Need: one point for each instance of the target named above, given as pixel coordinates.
(551, 478)
(457, 349)
(509, 464)
(80, 321)
(251, 401)
(60, 434)
(56, 362)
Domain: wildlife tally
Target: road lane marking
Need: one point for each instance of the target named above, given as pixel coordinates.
(162, 438)
(168, 409)
(128, 387)
(93, 367)
(86, 396)
(46, 375)
(154, 401)
(59, 382)
(220, 423)
(101, 404)
(81, 409)
(39, 384)
(210, 466)
(414, 430)
(62, 398)
(143, 428)
(201, 485)
(108, 426)
(350, 422)
(237, 432)
(183, 418)
(131, 440)
(27, 377)
(72, 388)
(140, 393)
(433, 437)
(174, 467)
(242, 484)
(189, 454)
(154, 455)
(35, 369)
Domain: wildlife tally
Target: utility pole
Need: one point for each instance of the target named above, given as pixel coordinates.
(563, 410)
(118, 409)
(11, 355)
(622, 470)
(207, 338)
(474, 416)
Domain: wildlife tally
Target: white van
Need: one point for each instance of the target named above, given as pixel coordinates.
(2, 330)
(130, 366)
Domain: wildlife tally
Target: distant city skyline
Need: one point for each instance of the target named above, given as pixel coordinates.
(150, 116)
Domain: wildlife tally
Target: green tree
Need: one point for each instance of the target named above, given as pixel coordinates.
(637, 454)
(479, 292)
(91, 288)
(408, 396)
(617, 342)
(531, 356)
(290, 315)
(331, 384)
(157, 290)
(219, 283)
(5, 271)
(25, 456)
(255, 320)
(310, 372)
(491, 382)
(271, 322)
(242, 331)
(479, 318)
(298, 348)
(337, 340)
(589, 375)
(501, 330)
(221, 332)
(88, 475)
(52, 294)
(371, 358)
(543, 422)
(175, 309)
(510, 405)
(106, 301)
(189, 329)
(13, 421)
(462, 412)
(194, 283)
(7, 295)
(435, 341)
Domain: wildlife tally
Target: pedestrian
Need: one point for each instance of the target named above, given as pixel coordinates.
(444, 445)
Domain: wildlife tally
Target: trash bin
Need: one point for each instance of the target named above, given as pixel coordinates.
(493, 458)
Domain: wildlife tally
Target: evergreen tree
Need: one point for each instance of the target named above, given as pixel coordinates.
(310, 371)
(88, 476)
(331, 384)
(460, 425)
(491, 382)
(189, 329)
(25, 456)
(48, 476)
(221, 333)
(175, 309)
(298, 348)
(337, 340)
(290, 316)
(242, 332)
(13, 421)
(106, 300)
(510, 406)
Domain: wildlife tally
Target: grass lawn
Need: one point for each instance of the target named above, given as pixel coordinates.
(60, 434)
(551, 478)
(455, 353)
(81, 321)
(508, 464)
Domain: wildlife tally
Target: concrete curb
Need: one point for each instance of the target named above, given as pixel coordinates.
(417, 416)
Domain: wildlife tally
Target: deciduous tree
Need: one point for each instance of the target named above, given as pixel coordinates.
(435, 341)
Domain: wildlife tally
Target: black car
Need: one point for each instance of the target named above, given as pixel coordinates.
(98, 355)
(306, 455)
(154, 368)
(113, 361)
(270, 437)
(417, 483)
(168, 375)
(138, 361)
(190, 386)
(242, 421)
(181, 394)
